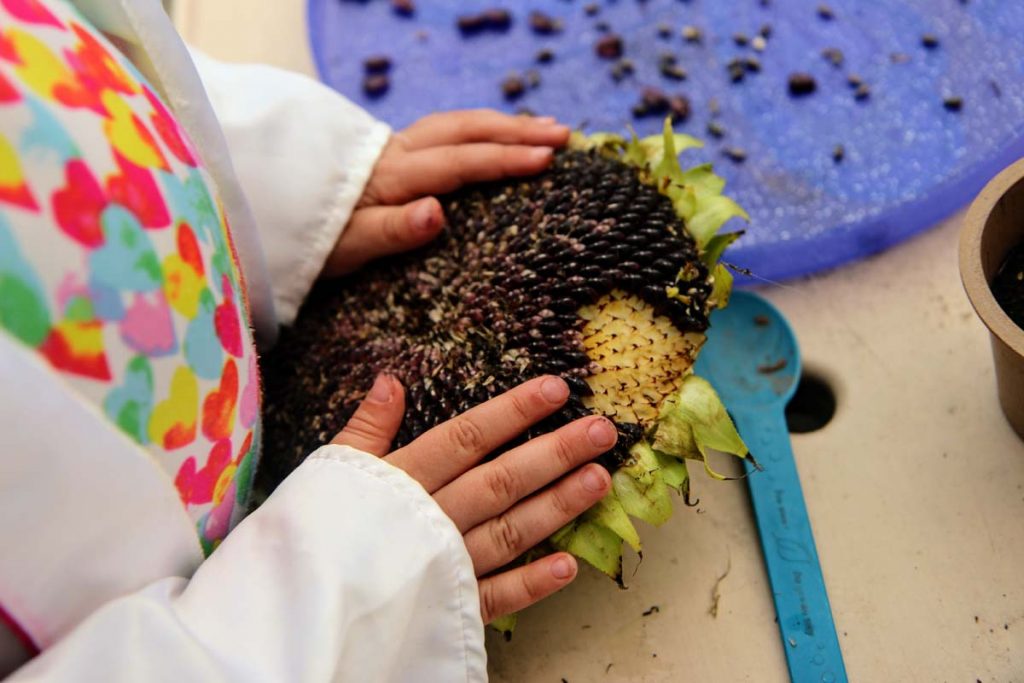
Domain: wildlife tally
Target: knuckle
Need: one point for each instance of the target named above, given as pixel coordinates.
(360, 427)
(532, 589)
(466, 436)
(563, 507)
(506, 536)
(522, 406)
(488, 601)
(564, 452)
(502, 482)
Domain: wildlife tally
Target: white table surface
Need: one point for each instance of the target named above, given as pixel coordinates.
(915, 489)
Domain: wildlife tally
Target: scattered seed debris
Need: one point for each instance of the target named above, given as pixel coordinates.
(862, 92)
(622, 68)
(714, 107)
(741, 39)
(716, 594)
(603, 26)
(532, 78)
(765, 31)
(673, 71)
(544, 24)
(825, 13)
(772, 368)
(404, 8)
(377, 64)
(513, 87)
(525, 111)
(833, 56)
(737, 69)
(545, 56)
(801, 84)
(752, 64)
(679, 106)
(854, 81)
(930, 41)
(664, 30)
(838, 153)
(762, 320)
(692, 34)
(376, 85)
(792, 642)
(899, 58)
(759, 43)
(591, 9)
(953, 103)
(609, 667)
(497, 19)
(654, 609)
(735, 154)
(716, 130)
(609, 46)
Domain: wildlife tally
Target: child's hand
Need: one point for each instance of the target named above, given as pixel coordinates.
(437, 154)
(502, 507)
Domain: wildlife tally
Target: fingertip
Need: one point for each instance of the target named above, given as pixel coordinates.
(382, 391)
(554, 389)
(426, 217)
(563, 567)
(595, 478)
(540, 155)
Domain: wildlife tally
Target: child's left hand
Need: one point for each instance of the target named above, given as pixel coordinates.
(438, 154)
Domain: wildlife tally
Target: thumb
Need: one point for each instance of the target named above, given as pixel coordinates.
(373, 426)
(377, 231)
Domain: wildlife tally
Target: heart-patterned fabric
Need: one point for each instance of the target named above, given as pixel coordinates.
(116, 263)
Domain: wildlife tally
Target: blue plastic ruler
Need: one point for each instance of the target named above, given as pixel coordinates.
(798, 587)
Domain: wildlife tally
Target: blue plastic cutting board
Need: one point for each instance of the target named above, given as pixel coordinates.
(909, 161)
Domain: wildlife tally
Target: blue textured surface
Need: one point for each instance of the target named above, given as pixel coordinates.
(738, 347)
(909, 162)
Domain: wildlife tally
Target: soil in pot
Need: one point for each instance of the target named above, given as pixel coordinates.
(1008, 285)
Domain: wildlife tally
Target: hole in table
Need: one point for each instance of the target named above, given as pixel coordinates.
(812, 406)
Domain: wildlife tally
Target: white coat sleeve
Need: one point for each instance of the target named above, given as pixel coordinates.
(348, 572)
(302, 154)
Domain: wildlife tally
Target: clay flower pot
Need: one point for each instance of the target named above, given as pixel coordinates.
(994, 225)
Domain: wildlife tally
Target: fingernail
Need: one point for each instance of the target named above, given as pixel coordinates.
(554, 390)
(424, 217)
(563, 568)
(380, 392)
(540, 154)
(545, 120)
(592, 480)
(601, 433)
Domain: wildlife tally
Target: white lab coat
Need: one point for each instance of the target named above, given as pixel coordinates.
(349, 571)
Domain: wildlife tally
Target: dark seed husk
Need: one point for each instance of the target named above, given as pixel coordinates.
(405, 8)
(513, 87)
(609, 47)
(375, 85)
(801, 84)
(377, 64)
(953, 103)
(544, 24)
(833, 56)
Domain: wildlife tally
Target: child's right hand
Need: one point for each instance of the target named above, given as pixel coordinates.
(505, 506)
